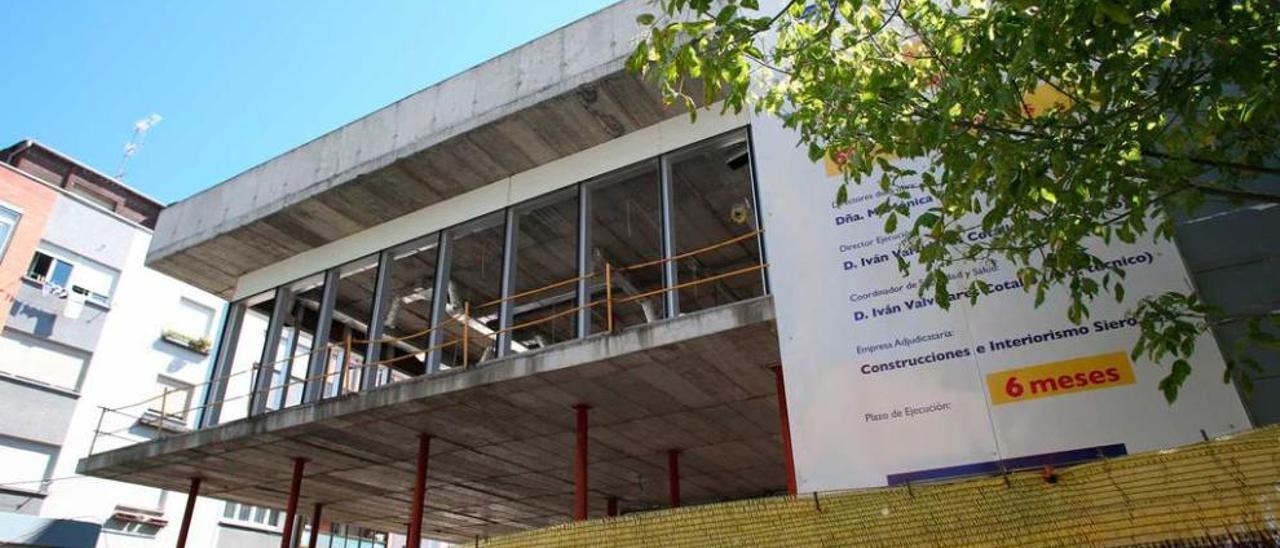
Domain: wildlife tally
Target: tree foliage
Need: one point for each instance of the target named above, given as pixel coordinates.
(1047, 124)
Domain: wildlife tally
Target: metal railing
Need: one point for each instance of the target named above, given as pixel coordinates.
(162, 425)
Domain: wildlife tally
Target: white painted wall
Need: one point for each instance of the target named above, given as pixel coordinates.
(124, 368)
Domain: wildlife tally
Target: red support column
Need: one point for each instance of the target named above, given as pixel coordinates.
(611, 506)
(580, 465)
(419, 493)
(314, 538)
(673, 477)
(186, 514)
(787, 458)
(295, 487)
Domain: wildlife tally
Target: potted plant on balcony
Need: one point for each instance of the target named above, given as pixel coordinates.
(199, 345)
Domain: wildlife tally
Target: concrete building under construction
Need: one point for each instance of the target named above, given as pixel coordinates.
(533, 293)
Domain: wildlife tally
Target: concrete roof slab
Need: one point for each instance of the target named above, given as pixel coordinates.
(501, 459)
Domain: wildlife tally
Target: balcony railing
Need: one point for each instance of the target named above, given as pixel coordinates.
(342, 369)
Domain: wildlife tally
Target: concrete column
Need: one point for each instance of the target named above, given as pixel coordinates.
(291, 511)
(580, 465)
(192, 494)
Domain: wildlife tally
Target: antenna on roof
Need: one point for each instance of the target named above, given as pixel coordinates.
(140, 129)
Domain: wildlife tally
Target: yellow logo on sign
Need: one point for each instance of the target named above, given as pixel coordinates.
(1058, 378)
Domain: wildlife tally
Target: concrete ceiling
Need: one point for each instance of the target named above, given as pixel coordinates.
(501, 460)
(558, 95)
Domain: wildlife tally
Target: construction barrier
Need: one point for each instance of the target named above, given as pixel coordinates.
(1221, 492)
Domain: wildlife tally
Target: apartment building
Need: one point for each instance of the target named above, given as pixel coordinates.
(87, 326)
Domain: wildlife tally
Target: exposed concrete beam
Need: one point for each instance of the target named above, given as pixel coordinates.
(503, 433)
(549, 98)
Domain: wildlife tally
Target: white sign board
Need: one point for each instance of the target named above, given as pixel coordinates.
(884, 386)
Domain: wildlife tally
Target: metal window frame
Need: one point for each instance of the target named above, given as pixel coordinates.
(313, 386)
(583, 329)
(258, 398)
(224, 359)
(509, 250)
(758, 209)
(440, 298)
(671, 298)
(233, 322)
(377, 319)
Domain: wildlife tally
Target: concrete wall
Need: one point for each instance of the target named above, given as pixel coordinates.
(20, 502)
(242, 537)
(34, 412)
(44, 316)
(85, 230)
(1233, 253)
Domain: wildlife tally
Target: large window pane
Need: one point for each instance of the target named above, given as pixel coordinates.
(407, 312)
(546, 265)
(296, 341)
(475, 277)
(625, 227)
(246, 355)
(352, 310)
(712, 202)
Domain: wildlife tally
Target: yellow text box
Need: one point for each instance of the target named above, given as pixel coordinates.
(1062, 377)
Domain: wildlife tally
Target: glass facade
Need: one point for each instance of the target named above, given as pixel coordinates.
(669, 235)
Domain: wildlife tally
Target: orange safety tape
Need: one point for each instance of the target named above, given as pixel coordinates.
(692, 253)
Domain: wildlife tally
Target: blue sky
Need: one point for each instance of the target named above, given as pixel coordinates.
(236, 81)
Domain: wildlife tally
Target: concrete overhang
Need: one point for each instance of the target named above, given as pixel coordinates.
(502, 455)
(557, 95)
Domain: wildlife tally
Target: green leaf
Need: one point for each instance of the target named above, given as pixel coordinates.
(646, 19)
(1173, 381)
(1115, 12)
(1161, 94)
